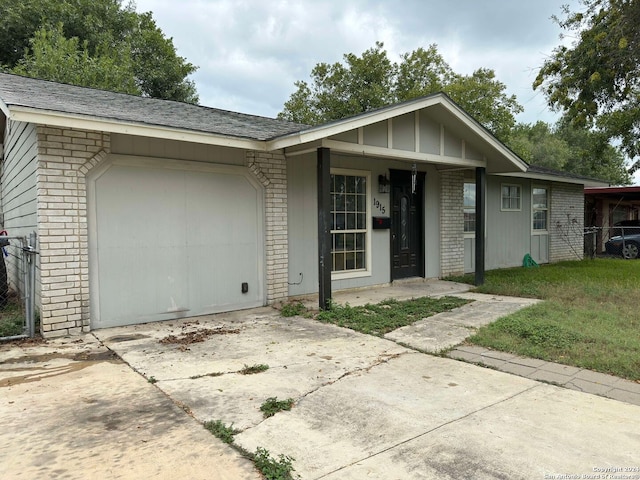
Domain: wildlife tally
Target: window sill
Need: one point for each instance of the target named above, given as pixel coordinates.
(350, 274)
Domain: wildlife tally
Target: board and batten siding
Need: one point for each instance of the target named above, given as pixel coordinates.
(303, 226)
(303, 222)
(19, 191)
(509, 234)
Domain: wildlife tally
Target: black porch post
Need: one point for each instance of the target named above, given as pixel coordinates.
(324, 227)
(481, 187)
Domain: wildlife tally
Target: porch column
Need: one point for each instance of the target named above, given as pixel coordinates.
(481, 193)
(324, 227)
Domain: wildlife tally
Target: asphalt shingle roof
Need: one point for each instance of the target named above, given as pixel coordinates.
(559, 173)
(69, 99)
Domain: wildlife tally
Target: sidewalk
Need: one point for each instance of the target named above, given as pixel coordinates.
(446, 330)
(566, 376)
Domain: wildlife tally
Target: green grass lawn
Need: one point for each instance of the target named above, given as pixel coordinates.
(590, 317)
(388, 315)
(11, 319)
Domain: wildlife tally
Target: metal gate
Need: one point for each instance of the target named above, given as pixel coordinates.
(17, 287)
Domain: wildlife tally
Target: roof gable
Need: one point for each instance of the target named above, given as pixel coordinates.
(431, 129)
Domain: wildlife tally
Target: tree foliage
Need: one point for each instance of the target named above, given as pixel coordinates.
(596, 80)
(570, 149)
(372, 80)
(98, 43)
(54, 57)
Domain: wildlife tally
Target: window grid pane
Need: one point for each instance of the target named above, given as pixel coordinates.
(540, 202)
(511, 197)
(348, 222)
(469, 209)
(469, 221)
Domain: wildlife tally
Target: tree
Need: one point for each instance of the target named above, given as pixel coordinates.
(538, 144)
(570, 149)
(484, 97)
(340, 90)
(371, 81)
(105, 35)
(54, 57)
(596, 80)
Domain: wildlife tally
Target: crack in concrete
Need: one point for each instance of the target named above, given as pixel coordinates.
(380, 360)
(403, 442)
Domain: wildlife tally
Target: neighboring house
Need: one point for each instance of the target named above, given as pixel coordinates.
(608, 206)
(151, 210)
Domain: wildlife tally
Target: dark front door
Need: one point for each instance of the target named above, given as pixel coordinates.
(406, 225)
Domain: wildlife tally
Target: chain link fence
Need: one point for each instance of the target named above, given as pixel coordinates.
(616, 241)
(17, 287)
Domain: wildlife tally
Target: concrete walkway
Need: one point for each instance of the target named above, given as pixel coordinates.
(566, 376)
(71, 409)
(445, 330)
(129, 402)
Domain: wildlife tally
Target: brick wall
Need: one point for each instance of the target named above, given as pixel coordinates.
(451, 223)
(566, 238)
(271, 170)
(64, 158)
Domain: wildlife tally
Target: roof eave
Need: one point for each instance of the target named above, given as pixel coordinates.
(87, 122)
(557, 178)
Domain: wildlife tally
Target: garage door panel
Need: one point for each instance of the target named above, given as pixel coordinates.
(172, 243)
(222, 282)
(142, 206)
(135, 285)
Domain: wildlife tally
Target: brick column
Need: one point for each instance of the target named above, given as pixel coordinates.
(271, 170)
(566, 225)
(63, 156)
(451, 223)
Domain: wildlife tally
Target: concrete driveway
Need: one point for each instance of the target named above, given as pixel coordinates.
(365, 407)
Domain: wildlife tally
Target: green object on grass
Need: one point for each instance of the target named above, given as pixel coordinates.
(529, 262)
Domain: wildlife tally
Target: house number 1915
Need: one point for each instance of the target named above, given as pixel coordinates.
(379, 206)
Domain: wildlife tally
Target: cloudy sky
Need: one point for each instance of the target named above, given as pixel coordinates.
(250, 52)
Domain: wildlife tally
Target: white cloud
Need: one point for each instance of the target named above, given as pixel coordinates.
(250, 52)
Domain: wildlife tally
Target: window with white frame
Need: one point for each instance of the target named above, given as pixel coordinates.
(540, 207)
(349, 226)
(469, 207)
(511, 197)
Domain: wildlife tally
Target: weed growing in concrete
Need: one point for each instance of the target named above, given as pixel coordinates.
(292, 309)
(257, 368)
(212, 374)
(152, 379)
(272, 406)
(388, 315)
(220, 430)
(272, 469)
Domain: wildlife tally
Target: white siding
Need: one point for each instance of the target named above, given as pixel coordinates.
(432, 224)
(173, 149)
(18, 181)
(303, 222)
(19, 178)
(509, 234)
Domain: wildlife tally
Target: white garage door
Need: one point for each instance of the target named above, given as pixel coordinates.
(173, 242)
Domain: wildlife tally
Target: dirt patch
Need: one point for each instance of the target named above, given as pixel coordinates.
(87, 356)
(37, 340)
(196, 336)
(126, 338)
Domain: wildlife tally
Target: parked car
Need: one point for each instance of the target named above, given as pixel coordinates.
(626, 241)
